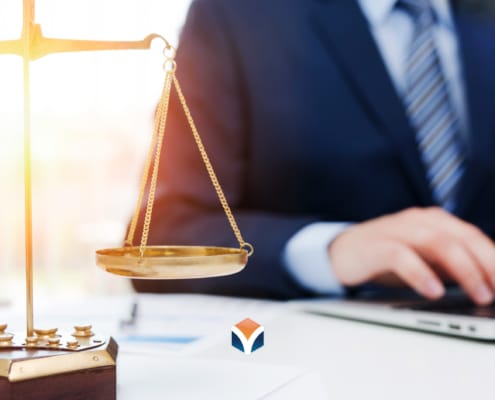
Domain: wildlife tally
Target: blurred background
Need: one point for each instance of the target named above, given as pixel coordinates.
(485, 7)
(91, 125)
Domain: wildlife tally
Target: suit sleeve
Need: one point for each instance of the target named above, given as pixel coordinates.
(187, 210)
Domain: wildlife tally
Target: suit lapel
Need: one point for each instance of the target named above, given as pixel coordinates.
(478, 60)
(344, 32)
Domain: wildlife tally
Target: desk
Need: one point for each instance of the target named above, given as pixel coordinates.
(304, 355)
(361, 361)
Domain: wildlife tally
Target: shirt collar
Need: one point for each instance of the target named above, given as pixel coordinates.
(377, 11)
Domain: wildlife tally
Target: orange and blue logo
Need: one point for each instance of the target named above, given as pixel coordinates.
(248, 336)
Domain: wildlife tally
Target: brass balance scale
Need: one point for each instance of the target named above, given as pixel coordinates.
(45, 364)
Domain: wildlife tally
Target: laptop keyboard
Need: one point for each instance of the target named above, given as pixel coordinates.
(454, 306)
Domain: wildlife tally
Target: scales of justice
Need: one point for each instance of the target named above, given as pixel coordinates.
(44, 364)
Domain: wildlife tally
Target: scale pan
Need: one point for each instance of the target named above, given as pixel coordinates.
(172, 262)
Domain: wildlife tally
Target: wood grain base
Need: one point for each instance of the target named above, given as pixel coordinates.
(93, 384)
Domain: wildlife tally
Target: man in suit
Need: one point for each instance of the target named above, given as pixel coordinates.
(353, 139)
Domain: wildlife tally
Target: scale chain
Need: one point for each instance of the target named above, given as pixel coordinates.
(162, 111)
(156, 148)
(144, 179)
(211, 171)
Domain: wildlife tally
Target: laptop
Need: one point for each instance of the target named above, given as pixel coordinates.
(453, 315)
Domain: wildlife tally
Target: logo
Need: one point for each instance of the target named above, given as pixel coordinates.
(248, 336)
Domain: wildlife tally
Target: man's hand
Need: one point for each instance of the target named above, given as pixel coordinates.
(418, 246)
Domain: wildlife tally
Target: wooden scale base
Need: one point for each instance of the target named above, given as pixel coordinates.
(54, 367)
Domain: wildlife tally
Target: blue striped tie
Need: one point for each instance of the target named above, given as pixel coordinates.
(429, 108)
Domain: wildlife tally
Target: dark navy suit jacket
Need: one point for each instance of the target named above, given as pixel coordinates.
(302, 124)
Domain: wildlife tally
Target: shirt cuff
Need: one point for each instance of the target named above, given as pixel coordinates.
(307, 260)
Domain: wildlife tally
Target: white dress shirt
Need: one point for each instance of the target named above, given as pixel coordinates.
(306, 253)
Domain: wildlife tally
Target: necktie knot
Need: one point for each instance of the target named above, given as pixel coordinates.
(420, 10)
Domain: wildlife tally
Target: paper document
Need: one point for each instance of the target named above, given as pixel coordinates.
(187, 323)
(158, 378)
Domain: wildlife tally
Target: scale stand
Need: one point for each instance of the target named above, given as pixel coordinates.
(43, 364)
(46, 365)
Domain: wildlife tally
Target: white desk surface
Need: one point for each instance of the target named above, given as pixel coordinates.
(304, 355)
(361, 361)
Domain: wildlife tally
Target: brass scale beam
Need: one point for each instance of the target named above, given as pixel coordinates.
(31, 46)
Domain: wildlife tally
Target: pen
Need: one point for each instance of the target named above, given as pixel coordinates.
(131, 321)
